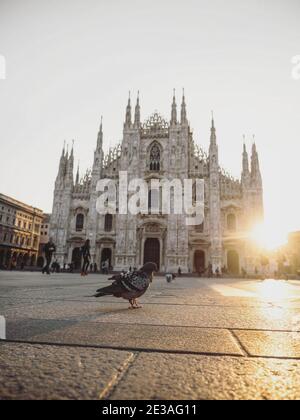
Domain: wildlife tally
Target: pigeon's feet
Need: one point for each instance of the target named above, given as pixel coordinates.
(132, 304)
(136, 305)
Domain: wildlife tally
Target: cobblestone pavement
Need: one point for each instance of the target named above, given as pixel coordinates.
(193, 339)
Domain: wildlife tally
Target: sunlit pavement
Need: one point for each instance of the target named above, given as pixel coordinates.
(193, 339)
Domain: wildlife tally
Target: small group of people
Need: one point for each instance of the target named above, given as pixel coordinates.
(87, 266)
(86, 255)
(49, 249)
(105, 267)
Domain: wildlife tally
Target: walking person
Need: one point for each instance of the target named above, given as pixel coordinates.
(85, 251)
(49, 249)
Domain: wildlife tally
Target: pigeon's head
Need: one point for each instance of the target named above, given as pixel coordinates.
(149, 268)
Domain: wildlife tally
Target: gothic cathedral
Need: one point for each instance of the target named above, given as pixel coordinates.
(159, 149)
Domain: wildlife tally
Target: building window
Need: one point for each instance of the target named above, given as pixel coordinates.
(231, 222)
(200, 228)
(155, 158)
(108, 222)
(79, 222)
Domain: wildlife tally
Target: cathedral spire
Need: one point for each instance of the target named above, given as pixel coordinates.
(245, 171)
(100, 135)
(77, 174)
(213, 147)
(245, 159)
(72, 150)
(71, 161)
(213, 137)
(137, 114)
(63, 150)
(255, 169)
(62, 163)
(174, 110)
(183, 110)
(128, 114)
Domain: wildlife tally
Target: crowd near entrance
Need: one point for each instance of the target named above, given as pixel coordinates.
(152, 251)
(233, 262)
(199, 261)
(77, 258)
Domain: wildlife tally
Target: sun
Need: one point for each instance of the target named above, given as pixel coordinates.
(268, 237)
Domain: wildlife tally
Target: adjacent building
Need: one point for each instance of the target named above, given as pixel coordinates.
(293, 251)
(20, 226)
(160, 149)
(44, 238)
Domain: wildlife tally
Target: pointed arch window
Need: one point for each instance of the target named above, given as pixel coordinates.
(231, 222)
(108, 222)
(155, 158)
(79, 222)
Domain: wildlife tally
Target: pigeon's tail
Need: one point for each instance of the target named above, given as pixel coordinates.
(104, 291)
(114, 289)
(99, 294)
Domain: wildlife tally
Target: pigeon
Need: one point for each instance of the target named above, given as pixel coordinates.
(131, 285)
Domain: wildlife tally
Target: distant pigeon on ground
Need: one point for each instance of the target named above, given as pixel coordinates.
(131, 285)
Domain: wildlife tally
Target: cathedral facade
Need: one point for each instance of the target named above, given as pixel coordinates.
(159, 149)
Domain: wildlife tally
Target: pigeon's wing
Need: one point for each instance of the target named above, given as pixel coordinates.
(116, 282)
(116, 277)
(136, 281)
(115, 289)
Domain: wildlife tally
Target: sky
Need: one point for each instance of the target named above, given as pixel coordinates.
(69, 62)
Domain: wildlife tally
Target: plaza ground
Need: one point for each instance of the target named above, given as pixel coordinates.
(193, 339)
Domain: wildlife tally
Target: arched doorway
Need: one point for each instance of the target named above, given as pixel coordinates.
(12, 259)
(152, 251)
(106, 254)
(19, 260)
(33, 260)
(76, 258)
(8, 260)
(233, 262)
(199, 261)
(26, 259)
(1, 258)
(40, 262)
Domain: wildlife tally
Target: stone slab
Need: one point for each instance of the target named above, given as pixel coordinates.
(165, 376)
(56, 372)
(144, 337)
(271, 344)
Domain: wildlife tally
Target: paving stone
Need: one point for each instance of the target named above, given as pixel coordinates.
(271, 344)
(55, 372)
(161, 376)
(144, 337)
(204, 316)
(25, 329)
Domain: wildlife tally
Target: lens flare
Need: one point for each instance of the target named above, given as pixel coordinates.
(268, 237)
